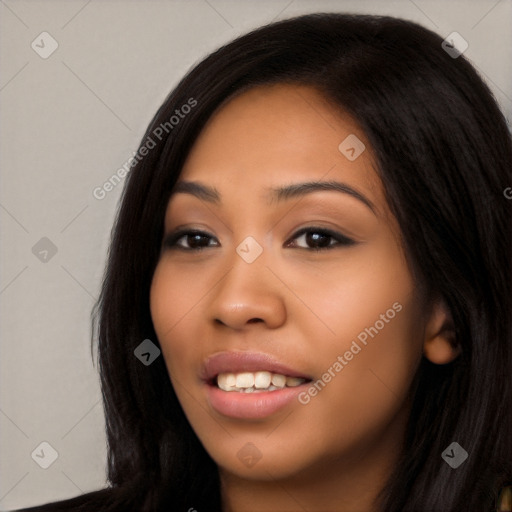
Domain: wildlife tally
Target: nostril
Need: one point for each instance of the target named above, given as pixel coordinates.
(254, 320)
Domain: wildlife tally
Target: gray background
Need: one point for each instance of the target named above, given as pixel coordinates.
(69, 122)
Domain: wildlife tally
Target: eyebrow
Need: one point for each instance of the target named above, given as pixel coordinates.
(212, 195)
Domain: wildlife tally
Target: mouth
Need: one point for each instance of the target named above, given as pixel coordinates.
(256, 382)
(247, 385)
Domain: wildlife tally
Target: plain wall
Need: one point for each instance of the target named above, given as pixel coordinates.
(68, 123)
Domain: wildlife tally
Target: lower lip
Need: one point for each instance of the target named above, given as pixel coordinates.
(250, 405)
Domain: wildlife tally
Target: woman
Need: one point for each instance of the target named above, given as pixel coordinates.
(306, 304)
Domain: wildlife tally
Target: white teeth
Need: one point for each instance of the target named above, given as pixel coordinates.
(244, 380)
(230, 379)
(224, 381)
(292, 382)
(262, 380)
(248, 382)
(278, 380)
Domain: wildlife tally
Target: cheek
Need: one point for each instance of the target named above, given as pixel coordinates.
(370, 392)
(352, 293)
(371, 318)
(374, 360)
(173, 297)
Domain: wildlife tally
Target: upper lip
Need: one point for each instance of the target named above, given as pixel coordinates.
(236, 362)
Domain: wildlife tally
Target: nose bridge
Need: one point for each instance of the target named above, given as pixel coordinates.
(249, 265)
(249, 291)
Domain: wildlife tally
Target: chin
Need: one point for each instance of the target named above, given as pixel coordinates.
(257, 458)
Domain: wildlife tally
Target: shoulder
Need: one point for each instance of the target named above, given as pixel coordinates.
(104, 500)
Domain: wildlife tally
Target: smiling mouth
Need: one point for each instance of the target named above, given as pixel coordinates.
(250, 386)
(255, 382)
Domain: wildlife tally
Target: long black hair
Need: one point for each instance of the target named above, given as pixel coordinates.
(444, 155)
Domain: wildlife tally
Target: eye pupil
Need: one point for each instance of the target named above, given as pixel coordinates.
(194, 240)
(318, 239)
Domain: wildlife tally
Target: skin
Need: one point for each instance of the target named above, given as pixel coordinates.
(302, 306)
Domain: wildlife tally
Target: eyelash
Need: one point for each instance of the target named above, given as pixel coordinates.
(171, 240)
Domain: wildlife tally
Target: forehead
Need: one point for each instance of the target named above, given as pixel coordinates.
(276, 134)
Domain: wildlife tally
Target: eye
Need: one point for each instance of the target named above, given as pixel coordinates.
(189, 240)
(310, 238)
(319, 239)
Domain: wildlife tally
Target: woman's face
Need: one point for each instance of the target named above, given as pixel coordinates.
(282, 281)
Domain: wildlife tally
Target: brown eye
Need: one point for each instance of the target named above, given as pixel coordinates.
(318, 239)
(196, 240)
(189, 240)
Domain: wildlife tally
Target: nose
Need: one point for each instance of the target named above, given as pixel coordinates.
(248, 294)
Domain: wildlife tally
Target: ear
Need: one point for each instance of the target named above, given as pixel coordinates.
(440, 345)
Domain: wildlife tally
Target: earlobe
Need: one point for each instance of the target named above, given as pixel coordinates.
(440, 345)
